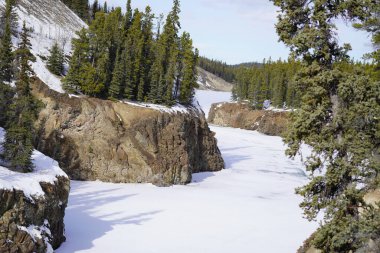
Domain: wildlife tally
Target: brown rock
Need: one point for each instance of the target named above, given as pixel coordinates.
(240, 115)
(95, 139)
(17, 210)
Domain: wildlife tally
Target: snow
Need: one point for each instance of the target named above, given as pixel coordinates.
(48, 26)
(36, 233)
(178, 108)
(207, 97)
(46, 170)
(248, 207)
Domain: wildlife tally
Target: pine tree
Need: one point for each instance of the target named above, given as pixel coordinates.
(6, 56)
(18, 146)
(56, 60)
(189, 63)
(9, 14)
(118, 78)
(72, 81)
(6, 95)
(337, 119)
(147, 54)
(128, 17)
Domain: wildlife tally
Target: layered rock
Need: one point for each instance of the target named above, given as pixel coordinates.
(95, 139)
(33, 223)
(240, 115)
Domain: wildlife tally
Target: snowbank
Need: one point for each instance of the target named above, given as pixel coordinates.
(46, 170)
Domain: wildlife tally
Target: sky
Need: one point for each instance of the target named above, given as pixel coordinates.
(237, 31)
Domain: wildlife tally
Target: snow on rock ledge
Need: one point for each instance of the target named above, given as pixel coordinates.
(33, 206)
(95, 139)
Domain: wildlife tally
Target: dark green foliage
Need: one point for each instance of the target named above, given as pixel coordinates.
(6, 95)
(119, 56)
(9, 15)
(218, 68)
(338, 118)
(22, 112)
(56, 60)
(80, 7)
(6, 56)
(269, 80)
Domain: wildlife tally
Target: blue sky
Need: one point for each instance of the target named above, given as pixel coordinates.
(238, 31)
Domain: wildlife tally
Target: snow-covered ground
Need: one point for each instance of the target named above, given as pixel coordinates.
(45, 170)
(208, 97)
(249, 207)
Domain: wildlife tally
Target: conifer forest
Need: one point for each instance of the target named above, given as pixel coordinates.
(217, 126)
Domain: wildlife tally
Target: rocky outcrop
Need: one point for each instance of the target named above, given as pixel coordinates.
(30, 223)
(240, 115)
(95, 139)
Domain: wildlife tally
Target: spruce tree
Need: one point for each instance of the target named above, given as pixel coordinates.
(18, 146)
(56, 60)
(6, 55)
(118, 78)
(9, 15)
(72, 81)
(338, 120)
(6, 95)
(189, 63)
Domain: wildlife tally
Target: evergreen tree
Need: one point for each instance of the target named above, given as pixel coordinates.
(72, 81)
(118, 78)
(147, 54)
(9, 14)
(95, 7)
(6, 95)
(119, 56)
(337, 119)
(18, 146)
(189, 63)
(80, 7)
(6, 56)
(128, 17)
(56, 60)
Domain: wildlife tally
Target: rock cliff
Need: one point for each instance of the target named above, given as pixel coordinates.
(95, 139)
(30, 223)
(242, 116)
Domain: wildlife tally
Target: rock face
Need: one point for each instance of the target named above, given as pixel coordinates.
(242, 116)
(95, 139)
(33, 224)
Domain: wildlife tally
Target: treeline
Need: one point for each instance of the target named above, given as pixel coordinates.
(80, 7)
(271, 80)
(120, 57)
(218, 68)
(85, 10)
(18, 108)
(276, 81)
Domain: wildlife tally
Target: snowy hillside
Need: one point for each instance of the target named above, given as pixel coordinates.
(50, 21)
(248, 207)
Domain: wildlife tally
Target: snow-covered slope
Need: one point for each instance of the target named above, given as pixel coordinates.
(209, 81)
(46, 170)
(50, 21)
(249, 207)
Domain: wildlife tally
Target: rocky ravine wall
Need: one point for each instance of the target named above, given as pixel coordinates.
(242, 116)
(27, 224)
(95, 139)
